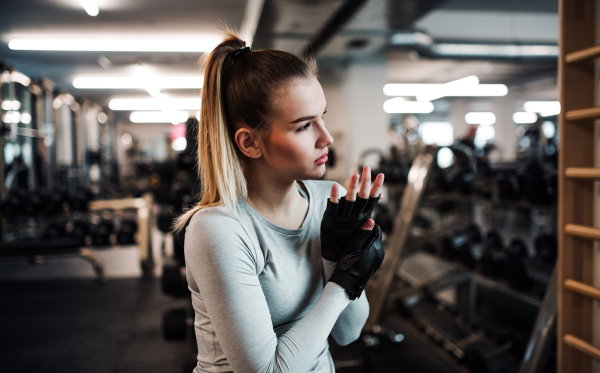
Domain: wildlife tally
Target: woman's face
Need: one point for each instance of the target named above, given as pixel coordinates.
(298, 137)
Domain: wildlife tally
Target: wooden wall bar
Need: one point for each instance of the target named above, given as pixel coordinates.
(576, 197)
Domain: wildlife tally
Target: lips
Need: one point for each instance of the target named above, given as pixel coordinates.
(322, 159)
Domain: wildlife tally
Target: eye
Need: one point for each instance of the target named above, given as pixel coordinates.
(304, 128)
(325, 112)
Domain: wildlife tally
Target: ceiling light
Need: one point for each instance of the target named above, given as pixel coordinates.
(491, 50)
(545, 108)
(484, 118)
(399, 105)
(173, 117)
(523, 117)
(425, 90)
(448, 88)
(116, 45)
(90, 7)
(174, 82)
(154, 104)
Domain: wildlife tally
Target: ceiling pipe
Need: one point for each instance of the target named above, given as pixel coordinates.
(343, 15)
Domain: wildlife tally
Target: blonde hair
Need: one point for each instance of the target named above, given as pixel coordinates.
(236, 92)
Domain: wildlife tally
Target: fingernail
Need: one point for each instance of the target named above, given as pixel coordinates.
(335, 187)
(366, 169)
(371, 223)
(382, 177)
(355, 177)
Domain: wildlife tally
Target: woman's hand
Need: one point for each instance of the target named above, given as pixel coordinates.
(346, 215)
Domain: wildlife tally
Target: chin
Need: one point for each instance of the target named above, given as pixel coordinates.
(316, 173)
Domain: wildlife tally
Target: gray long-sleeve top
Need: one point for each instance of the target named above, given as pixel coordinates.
(260, 293)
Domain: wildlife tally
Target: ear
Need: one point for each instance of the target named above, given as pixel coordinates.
(246, 143)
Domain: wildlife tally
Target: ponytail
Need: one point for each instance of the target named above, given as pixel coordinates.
(236, 92)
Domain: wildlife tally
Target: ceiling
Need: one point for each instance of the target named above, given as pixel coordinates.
(283, 24)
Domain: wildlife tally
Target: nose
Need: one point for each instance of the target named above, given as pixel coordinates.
(325, 138)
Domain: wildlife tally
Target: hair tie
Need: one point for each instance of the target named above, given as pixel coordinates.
(240, 52)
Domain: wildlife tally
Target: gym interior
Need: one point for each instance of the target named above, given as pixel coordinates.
(480, 113)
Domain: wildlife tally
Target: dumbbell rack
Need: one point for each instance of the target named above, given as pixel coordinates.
(40, 248)
(577, 85)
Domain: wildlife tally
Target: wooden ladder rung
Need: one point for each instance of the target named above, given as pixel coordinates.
(582, 55)
(581, 346)
(582, 173)
(581, 114)
(582, 231)
(583, 289)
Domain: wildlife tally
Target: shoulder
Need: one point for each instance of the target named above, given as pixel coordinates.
(215, 238)
(215, 227)
(321, 189)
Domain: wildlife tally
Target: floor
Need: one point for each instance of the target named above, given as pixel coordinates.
(84, 326)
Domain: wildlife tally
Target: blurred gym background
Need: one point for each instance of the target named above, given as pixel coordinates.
(456, 101)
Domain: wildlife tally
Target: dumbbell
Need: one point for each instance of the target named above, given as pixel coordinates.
(533, 183)
(452, 247)
(53, 204)
(173, 281)
(546, 248)
(164, 221)
(175, 324)
(514, 265)
(127, 230)
(80, 200)
(101, 232)
(54, 230)
(34, 203)
(470, 256)
(13, 203)
(491, 260)
(508, 190)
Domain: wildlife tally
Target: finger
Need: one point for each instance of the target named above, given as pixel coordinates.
(365, 185)
(334, 193)
(368, 225)
(352, 188)
(377, 185)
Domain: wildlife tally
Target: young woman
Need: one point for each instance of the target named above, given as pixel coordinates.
(256, 267)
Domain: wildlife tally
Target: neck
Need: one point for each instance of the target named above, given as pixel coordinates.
(269, 194)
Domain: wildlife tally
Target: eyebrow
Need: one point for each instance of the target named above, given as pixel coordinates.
(306, 118)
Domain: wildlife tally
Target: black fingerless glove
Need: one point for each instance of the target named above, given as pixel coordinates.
(342, 219)
(361, 257)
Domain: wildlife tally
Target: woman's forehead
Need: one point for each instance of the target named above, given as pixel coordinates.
(300, 98)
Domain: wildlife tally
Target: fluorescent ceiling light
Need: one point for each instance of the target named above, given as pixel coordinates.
(399, 105)
(484, 118)
(174, 117)
(545, 108)
(523, 117)
(116, 45)
(491, 50)
(463, 84)
(90, 7)
(424, 91)
(174, 82)
(411, 38)
(154, 104)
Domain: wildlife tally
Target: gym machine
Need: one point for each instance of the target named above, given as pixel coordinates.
(438, 290)
(56, 168)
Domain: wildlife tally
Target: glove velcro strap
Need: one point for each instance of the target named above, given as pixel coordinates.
(349, 283)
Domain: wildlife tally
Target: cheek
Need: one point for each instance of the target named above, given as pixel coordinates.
(290, 150)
